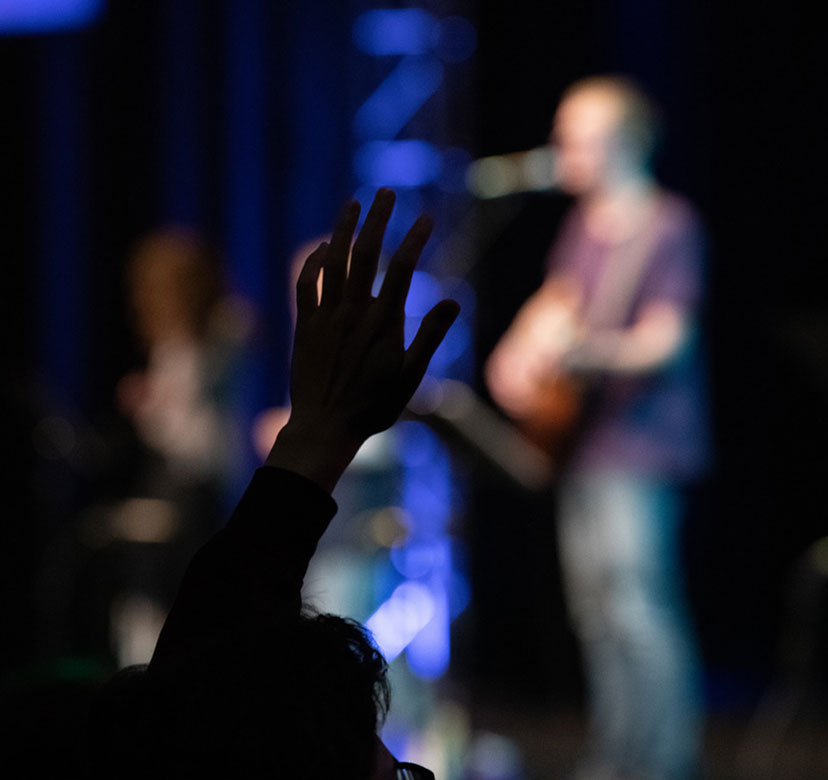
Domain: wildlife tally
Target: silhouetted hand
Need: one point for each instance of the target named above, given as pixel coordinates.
(351, 375)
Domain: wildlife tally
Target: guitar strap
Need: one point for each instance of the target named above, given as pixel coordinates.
(462, 418)
(620, 280)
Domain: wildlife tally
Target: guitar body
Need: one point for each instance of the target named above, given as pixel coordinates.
(553, 412)
(544, 403)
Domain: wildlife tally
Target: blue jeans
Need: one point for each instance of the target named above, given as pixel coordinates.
(620, 560)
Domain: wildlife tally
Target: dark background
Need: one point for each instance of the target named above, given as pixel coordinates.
(92, 155)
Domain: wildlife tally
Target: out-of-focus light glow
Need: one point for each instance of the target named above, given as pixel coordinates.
(429, 651)
(425, 291)
(135, 520)
(460, 593)
(427, 493)
(456, 162)
(399, 619)
(423, 557)
(410, 204)
(456, 342)
(427, 397)
(819, 556)
(418, 446)
(34, 16)
(431, 508)
(463, 293)
(412, 31)
(494, 756)
(395, 101)
(398, 163)
(385, 527)
(387, 31)
(534, 170)
(418, 559)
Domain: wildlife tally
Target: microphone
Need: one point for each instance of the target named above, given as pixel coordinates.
(509, 174)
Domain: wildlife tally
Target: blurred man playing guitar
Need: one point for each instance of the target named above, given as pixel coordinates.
(602, 364)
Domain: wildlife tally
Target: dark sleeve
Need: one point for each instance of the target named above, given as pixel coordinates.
(252, 570)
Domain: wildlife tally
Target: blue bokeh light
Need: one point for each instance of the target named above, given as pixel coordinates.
(424, 292)
(388, 31)
(38, 16)
(394, 102)
(429, 651)
(397, 163)
(384, 157)
(458, 341)
(398, 620)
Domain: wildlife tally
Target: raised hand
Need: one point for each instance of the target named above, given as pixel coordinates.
(351, 375)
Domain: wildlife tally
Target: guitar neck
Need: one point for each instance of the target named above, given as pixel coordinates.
(459, 415)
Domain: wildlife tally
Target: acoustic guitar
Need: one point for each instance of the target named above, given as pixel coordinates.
(523, 373)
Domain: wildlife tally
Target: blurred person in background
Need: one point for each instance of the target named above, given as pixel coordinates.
(192, 334)
(602, 366)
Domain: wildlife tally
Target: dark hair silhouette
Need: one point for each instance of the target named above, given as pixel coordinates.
(300, 701)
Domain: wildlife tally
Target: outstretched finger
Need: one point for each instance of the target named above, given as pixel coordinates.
(306, 284)
(367, 247)
(336, 262)
(429, 336)
(398, 276)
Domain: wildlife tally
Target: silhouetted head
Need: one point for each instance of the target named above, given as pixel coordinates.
(301, 702)
(605, 132)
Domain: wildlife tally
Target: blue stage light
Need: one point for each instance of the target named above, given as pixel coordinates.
(401, 95)
(388, 31)
(37, 16)
(416, 166)
(424, 292)
(397, 163)
(397, 621)
(458, 341)
(429, 651)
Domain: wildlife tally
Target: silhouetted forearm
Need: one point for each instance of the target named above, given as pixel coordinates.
(252, 570)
